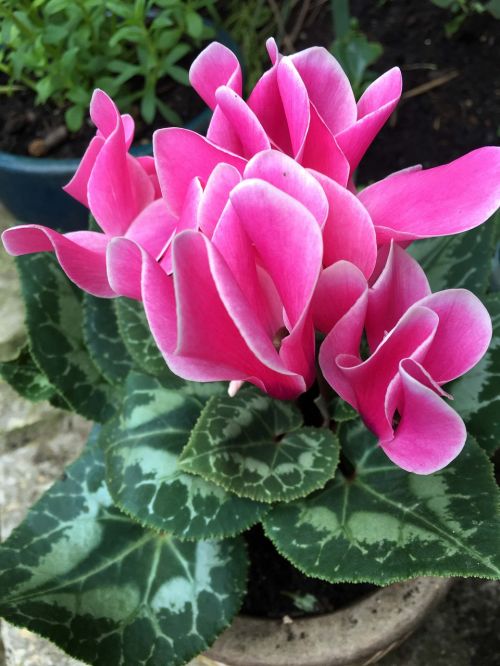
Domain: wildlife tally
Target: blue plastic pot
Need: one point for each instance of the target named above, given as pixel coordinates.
(31, 187)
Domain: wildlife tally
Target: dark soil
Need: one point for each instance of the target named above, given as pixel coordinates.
(276, 588)
(443, 123)
(22, 122)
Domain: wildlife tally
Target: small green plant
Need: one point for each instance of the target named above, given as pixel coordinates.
(464, 8)
(63, 50)
(352, 48)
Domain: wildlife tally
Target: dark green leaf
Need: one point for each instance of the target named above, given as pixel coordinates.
(23, 374)
(383, 524)
(103, 340)
(477, 394)
(54, 323)
(142, 445)
(254, 446)
(109, 592)
(463, 260)
(137, 337)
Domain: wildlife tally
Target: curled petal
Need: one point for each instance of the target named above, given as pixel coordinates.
(321, 151)
(436, 202)
(153, 227)
(339, 288)
(295, 103)
(287, 239)
(215, 66)
(370, 380)
(327, 86)
(284, 173)
(401, 283)
(216, 195)
(81, 254)
(77, 186)
(430, 433)
(251, 135)
(219, 337)
(187, 220)
(374, 108)
(118, 187)
(265, 101)
(349, 233)
(182, 155)
(463, 335)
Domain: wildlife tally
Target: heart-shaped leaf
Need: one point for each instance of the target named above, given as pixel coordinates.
(103, 339)
(381, 524)
(477, 394)
(54, 322)
(142, 445)
(137, 337)
(109, 592)
(256, 447)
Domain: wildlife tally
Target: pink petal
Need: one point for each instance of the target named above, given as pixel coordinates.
(284, 173)
(287, 239)
(104, 113)
(188, 220)
(430, 434)
(345, 323)
(321, 151)
(124, 264)
(154, 287)
(77, 186)
(272, 50)
(216, 195)
(153, 227)
(327, 86)
(401, 283)
(182, 155)
(250, 132)
(349, 233)
(118, 187)
(81, 254)
(374, 108)
(222, 133)
(147, 162)
(463, 335)
(436, 202)
(213, 344)
(215, 66)
(295, 103)
(369, 381)
(265, 101)
(339, 287)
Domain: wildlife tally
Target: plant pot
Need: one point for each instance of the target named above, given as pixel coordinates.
(31, 187)
(358, 635)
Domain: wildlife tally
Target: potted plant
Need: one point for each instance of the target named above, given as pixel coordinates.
(249, 257)
(54, 54)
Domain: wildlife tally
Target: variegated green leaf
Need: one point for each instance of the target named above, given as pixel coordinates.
(382, 524)
(23, 374)
(54, 322)
(137, 337)
(257, 447)
(109, 592)
(463, 260)
(103, 340)
(142, 445)
(477, 394)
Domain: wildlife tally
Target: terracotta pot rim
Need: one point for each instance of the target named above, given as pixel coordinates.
(357, 635)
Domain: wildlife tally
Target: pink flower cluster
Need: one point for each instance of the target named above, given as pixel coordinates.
(245, 243)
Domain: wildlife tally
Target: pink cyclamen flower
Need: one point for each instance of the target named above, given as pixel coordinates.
(418, 342)
(121, 192)
(235, 304)
(304, 106)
